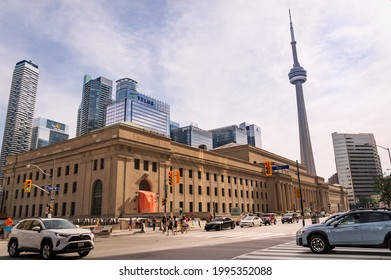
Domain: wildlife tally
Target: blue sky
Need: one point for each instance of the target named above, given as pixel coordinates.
(215, 62)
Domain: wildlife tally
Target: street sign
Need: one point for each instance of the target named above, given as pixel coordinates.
(279, 167)
(49, 188)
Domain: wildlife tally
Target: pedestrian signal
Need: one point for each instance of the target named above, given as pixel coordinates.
(163, 201)
(177, 176)
(27, 185)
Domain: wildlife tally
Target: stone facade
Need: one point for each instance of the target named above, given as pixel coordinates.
(105, 172)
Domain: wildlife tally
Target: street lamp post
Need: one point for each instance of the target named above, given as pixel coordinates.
(388, 150)
(51, 189)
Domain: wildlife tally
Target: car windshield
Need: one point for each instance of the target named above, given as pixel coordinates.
(288, 215)
(219, 219)
(249, 218)
(58, 224)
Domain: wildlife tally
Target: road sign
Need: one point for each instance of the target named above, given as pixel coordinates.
(279, 167)
(49, 188)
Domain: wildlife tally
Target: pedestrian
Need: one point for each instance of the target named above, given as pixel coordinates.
(184, 225)
(164, 224)
(169, 226)
(175, 229)
(137, 223)
(153, 223)
(130, 223)
(1, 233)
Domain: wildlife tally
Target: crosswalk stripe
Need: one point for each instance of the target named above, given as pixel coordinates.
(290, 250)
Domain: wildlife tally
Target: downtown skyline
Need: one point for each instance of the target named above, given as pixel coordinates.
(215, 63)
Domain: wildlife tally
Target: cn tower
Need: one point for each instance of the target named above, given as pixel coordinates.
(297, 76)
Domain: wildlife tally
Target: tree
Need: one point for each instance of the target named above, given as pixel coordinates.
(383, 187)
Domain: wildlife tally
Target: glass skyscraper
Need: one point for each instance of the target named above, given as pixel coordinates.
(20, 112)
(357, 163)
(47, 132)
(193, 136)
(97, 94)
(133, 106)
(229, 134)
(254, 136)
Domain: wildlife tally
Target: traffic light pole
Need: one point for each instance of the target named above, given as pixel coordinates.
(50, 192)
(301, 192)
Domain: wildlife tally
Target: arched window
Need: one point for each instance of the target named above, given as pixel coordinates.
(96, 205)
(144, 186)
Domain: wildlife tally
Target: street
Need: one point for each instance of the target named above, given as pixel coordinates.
(266, 242)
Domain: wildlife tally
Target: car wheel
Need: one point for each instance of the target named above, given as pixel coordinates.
(318, 244)
(389, 243)
(83, 253)
(13, 249)
(252, 224)
(220, 227)
(207, 229)
(232, 226)
(47, 251)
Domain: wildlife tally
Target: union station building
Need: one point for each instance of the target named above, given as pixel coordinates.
(123, 170)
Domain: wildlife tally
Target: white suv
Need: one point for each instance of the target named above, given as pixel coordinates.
(49, 236)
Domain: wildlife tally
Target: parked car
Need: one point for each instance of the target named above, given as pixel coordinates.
(49, 236)
(361, 228)
(251, 221)
(220, 223)
(290, 218)
(268, 218)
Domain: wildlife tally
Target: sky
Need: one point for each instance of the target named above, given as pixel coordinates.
(216, 63)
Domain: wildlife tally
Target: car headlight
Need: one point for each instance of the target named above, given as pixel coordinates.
(300, 231)
(64, 235)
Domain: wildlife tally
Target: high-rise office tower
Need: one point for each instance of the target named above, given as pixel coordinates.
(254, 136)
(229, 134)
(97, 94)
(20, 112)
(47, 132)
(193, 136)
(357, 163)
(133, 106)
(297, 76)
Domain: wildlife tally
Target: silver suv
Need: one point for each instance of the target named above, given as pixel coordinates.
(49, 236)
(360, 228)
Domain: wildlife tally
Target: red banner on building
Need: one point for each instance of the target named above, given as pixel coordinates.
(146, 202)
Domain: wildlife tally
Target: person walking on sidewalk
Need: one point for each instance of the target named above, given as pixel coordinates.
(164, 224)
(130, 223)
(153, 223)
(170, 226)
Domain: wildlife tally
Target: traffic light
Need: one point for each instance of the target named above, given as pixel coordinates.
(27, 185)
(297, 192)
(51, 206)
(170, 178)
(268, 168)
(163, 201)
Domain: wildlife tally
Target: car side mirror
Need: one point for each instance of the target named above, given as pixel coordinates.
(36, 228)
